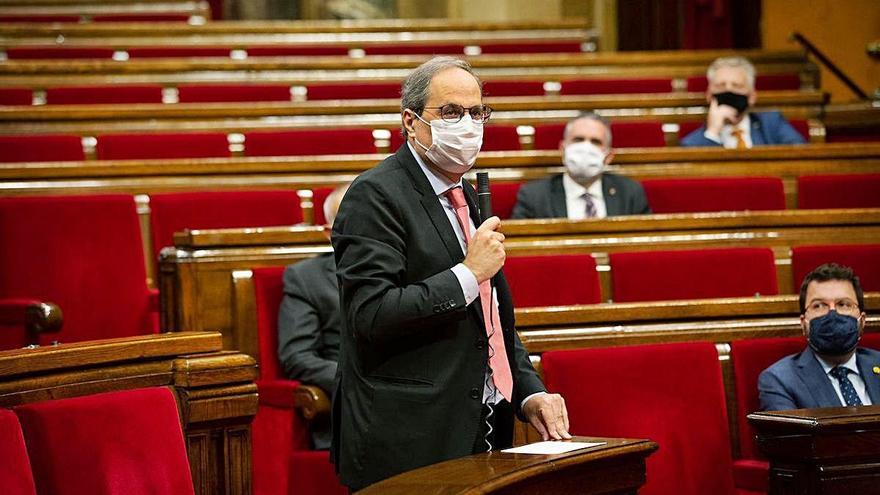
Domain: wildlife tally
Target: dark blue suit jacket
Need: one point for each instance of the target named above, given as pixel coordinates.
(799, 382)
(767, 128)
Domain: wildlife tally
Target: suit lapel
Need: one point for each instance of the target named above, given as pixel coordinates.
(757, 131)
(817, 382)
(557, 198)
(612, 196)
(866, 367)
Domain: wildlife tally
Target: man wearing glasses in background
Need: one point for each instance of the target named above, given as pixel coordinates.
(431, 367)
(832, 371)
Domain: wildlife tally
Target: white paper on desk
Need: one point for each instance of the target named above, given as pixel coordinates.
(551, 447)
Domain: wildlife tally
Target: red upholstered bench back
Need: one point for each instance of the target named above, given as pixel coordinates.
(16, 96)
(127, 442)
(295, 50)
(268, 292)
(532, 47)
(670, 393)
(410, 49)
(615, 86)
(164, 145)
(196, 93)
(864, 259)
(178, 51)
(16, 477)
(839, 191)
(512, 88)
(644, 134)
(693, 274)
(319, 195)
(174, 212)
(750, 357)
(552, 280)
(350, 91)
(41, 148)
(40, 52)
(79, 95)
(83, 253)
(500, 137)
(504, 198)
(768, 82)
(309, 142)
(714, 194)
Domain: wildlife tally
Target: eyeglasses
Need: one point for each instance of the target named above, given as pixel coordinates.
(452, 113)
(844, 306)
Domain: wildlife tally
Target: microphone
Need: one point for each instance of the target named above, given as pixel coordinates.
(484, 196)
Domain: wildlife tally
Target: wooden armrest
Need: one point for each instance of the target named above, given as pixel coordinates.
(36, 316)
(311, 402)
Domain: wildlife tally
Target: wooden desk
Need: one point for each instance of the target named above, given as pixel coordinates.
(615, 468)
(827, 451)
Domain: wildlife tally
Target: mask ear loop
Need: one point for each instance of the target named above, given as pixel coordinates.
(413, 134)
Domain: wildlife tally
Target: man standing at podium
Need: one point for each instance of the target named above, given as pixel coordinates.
(431, 367)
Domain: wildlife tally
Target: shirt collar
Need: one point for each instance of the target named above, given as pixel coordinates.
(439, 183)
(850, 364)
(574, 190)
(744, 125)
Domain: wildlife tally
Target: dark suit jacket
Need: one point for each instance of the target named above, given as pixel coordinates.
(767, 128)
(545, 198)
(414, 356)
(309, 322)
(799, 382)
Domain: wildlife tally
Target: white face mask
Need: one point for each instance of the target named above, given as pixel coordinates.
(454, 147)
(583, 160)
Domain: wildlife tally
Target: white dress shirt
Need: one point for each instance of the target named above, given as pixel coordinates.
(576, 203)
(855, 377)
(727, 139)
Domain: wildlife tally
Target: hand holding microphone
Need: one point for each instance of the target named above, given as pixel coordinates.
(486, 253)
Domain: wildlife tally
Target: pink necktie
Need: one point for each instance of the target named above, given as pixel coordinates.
(498, 359)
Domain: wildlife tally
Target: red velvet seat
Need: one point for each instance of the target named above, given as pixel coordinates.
(16, 96)
(15, 469)
(670, 393)
(409, 49)
(283, 459)
(693, 274)
(83, 253)
(645, 134)
(295, 50)
(504, 198)
(750, 357)
(714, 194)
(763, 82)
(127, 442)
(800, 125)
(309, 142)
(164, 145)
(175, 212)
(512, 88)
(41, 148)
(319, 195)
(532, 47)
(200, 93)
(178, 51)
(39, 52)
(39, 18)
(72, 95)
(615, 86)
(500, 137)
(864, 259)
(839, 191)
(552, 280)
(144, 17)
(351, 91)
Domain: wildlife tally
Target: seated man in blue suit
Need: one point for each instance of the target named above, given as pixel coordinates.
(729, 123)
(832, 371)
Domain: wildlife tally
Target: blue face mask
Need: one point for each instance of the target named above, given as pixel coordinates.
(834, 334)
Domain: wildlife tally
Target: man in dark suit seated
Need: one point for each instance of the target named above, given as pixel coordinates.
(431, 367)
(729, 123)
(309, 323)
(832, 371)
(585, 190)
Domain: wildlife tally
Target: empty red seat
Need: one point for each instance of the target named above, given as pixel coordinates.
(39, 18)
(16, 96)
(191, 93)
(548, 136)
(645, 134)
(175, 212)
(693, 274)
(37, 52)
(500, 137)
(864, 259)
(145, 17)
(295, 50)
(839, 191)
(504, 198)
(714, 194)
(127, 442)
(319, 195)
(513, 88)
(178, 51)
(763, 82)
(72, 95)
(750, 357)
(615, 86)
(670, 393)
(532, 47)
(352, 91)
(83, 253)
(552, 280)
(409, 49)
(49, 148)
(15, 470)
(165, 145)
(309, 142)
(283, 459)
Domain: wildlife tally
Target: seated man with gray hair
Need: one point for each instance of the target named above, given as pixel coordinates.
(729, 123)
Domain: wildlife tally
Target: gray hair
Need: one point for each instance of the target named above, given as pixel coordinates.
(589, 115)
(735, 63)
(417, 86)
(331, 203)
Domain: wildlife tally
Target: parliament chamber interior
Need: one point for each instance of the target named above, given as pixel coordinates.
(162, 162)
